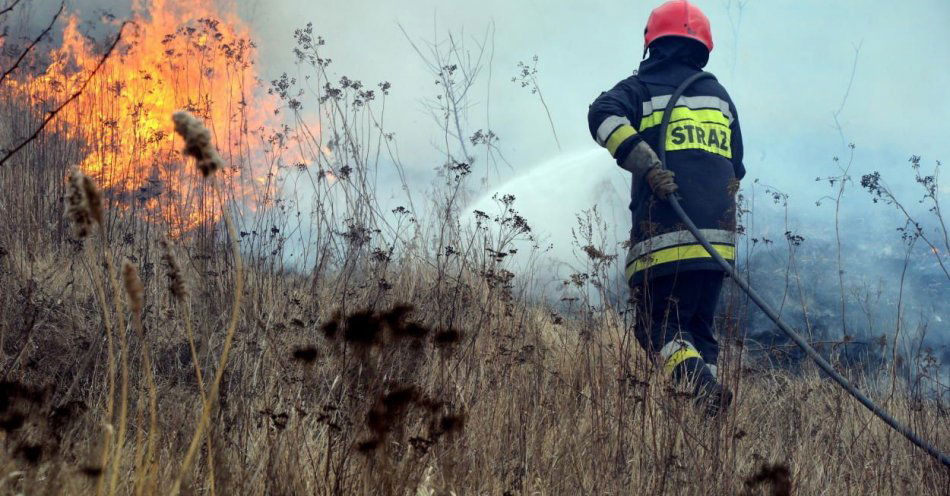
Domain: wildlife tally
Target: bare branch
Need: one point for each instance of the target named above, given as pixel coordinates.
(52, 114)
(9, 8)
(847, 91)
(35, 42)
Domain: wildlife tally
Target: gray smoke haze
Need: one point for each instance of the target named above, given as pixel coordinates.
(787, 65)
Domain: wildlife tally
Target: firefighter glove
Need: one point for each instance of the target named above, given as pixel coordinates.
(661, 182)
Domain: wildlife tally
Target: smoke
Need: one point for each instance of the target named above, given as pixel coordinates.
(808, 78)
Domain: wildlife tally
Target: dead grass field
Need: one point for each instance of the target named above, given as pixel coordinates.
(421, 386)
(401, 354)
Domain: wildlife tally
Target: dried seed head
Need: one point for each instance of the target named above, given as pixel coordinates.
(77, 204)
(93, 198)
(91, 471)
(306, 354)
(176, 278)
(197, 142)
(29, 452)
(452, 423)
(12, 422)
(447, 337)
(64, 415)
(362, 328)
(133, 287)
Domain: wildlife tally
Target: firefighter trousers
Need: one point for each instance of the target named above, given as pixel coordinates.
(679, 306)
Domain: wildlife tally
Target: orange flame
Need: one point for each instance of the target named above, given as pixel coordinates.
(175, 55)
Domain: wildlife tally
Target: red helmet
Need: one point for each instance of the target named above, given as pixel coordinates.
(678, 18)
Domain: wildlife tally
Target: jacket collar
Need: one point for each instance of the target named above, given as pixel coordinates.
(672, 60)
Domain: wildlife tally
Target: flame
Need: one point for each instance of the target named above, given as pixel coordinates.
(174, 55)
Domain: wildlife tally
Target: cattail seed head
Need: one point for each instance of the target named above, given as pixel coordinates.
(197, 142)
(93, 198)
(77, 204)
(133, 287)
(176, 278)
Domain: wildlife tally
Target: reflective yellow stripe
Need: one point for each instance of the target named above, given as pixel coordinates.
(679, 113)
(702, 129)
(692, 135)
(618, 137)
(677, 253)
(679, 357)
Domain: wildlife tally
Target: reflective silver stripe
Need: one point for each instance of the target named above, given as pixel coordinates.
(607, 128)
(718, 236)
(692, 102)
(673, 346)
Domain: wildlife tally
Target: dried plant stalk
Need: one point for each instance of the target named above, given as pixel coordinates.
(84, 208)
(77, 205)
(198, 145)
(179, 291)
(93, 199)
(176, 277)
(134, 289)
(124, 379)
(197, 142)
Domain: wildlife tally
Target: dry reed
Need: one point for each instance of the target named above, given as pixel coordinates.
(197, 142)
(78, 208)
(330, 382)
(198, 145)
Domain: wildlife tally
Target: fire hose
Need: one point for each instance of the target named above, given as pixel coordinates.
(772, 314)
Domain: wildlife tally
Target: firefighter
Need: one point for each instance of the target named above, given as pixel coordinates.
(674, 281)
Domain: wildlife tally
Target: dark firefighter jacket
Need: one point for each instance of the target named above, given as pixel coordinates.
(704, 149)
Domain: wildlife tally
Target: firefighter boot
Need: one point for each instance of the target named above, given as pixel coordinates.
(686, 366)
(711, 396)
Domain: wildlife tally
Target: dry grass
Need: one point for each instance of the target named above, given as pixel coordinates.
(325, 398)
(404, 359)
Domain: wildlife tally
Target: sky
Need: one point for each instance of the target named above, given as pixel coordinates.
(787, 63)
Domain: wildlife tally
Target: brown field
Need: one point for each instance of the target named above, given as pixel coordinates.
(427, 384)
(381, 351)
